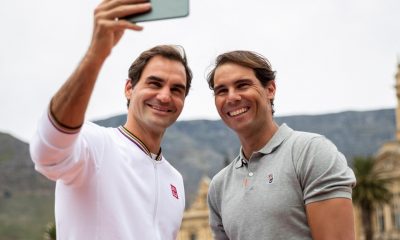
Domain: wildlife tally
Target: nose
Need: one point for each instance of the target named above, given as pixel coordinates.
(233, 96)
(164, 95)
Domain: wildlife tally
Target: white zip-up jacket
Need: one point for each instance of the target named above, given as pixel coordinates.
(107, 184)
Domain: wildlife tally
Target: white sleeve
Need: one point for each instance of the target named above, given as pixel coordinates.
(59, 155)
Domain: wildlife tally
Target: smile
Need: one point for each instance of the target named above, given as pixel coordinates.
(238, 112)
(160, 108)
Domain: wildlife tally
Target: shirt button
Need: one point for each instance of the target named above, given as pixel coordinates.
(251, 174)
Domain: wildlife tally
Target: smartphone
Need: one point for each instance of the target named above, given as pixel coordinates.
(162, 9)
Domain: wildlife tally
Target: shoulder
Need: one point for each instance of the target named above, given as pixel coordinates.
(172, 169)
(303, 138)
(311, 143)
(314, 151)
(95, 132)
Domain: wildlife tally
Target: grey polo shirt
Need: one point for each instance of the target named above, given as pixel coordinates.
(265, 197)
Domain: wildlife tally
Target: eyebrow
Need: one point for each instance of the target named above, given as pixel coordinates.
(243, 80)
(154, 78)
(239, 81)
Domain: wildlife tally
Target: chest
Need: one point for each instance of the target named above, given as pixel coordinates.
(261, 191)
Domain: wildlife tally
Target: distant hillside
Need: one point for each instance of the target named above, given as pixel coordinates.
(26, 197)
(16, 167)
(195, 148)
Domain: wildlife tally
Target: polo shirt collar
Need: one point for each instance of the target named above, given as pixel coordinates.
(241, 160)
(277, 139)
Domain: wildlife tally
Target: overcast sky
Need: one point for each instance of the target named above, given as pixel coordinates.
(330, 55)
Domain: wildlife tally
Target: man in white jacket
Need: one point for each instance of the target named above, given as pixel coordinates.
(114, 183)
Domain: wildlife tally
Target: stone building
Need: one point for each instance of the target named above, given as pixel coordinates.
(195, 219)
(386, 220)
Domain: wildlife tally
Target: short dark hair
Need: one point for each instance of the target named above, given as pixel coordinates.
(260, 65)
(172, 52)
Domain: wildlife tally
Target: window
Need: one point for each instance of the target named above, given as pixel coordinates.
(380, 219)
(193, 236)
(396, 211)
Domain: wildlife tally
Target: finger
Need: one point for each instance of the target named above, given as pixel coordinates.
(128, 25)
(110, 4)
(122, 11)
(119, 25)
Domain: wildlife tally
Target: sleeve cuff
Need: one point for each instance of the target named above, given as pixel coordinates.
(56, 135)
(59, 125)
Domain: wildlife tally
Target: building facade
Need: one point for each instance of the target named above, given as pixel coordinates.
(195, 219)
(386, 220)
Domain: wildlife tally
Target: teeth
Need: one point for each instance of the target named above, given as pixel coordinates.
(160, 109)
(237, 112)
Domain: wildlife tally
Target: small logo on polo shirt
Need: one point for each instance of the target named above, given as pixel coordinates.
(270, 178)
(174, 191)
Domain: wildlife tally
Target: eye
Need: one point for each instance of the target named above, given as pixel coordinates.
(242, 85)
(177, 90)
(220, 91)
(155, 84)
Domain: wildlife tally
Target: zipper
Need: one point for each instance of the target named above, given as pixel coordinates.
(156, 201)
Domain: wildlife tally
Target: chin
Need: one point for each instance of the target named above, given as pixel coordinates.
(237, 125)
(161, 124)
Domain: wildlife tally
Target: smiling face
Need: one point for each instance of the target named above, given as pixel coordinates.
(242, 102)
(157, 99)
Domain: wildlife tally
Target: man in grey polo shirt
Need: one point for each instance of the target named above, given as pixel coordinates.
(284, 184)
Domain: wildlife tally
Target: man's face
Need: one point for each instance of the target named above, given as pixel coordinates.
(158, 97)
(242, 102)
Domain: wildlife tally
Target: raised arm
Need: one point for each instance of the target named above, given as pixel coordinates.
(69, 104)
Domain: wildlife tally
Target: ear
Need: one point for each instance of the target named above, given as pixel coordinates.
(270, 89)
(128, 89)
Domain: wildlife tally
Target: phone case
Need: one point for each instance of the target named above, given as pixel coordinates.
(163, 9)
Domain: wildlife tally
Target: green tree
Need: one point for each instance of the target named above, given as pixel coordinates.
(370, 191)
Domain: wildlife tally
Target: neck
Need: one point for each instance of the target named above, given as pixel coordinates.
(254, 141)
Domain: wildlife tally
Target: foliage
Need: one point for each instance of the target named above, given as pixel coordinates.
(50, 233)
(370, 191)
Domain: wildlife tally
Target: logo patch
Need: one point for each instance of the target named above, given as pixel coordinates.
(270, 178)
(174, 191)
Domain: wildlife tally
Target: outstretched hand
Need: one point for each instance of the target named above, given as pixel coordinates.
(69, 104)
(109, 27)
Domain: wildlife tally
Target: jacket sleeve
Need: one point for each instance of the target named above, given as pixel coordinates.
(58, 154)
